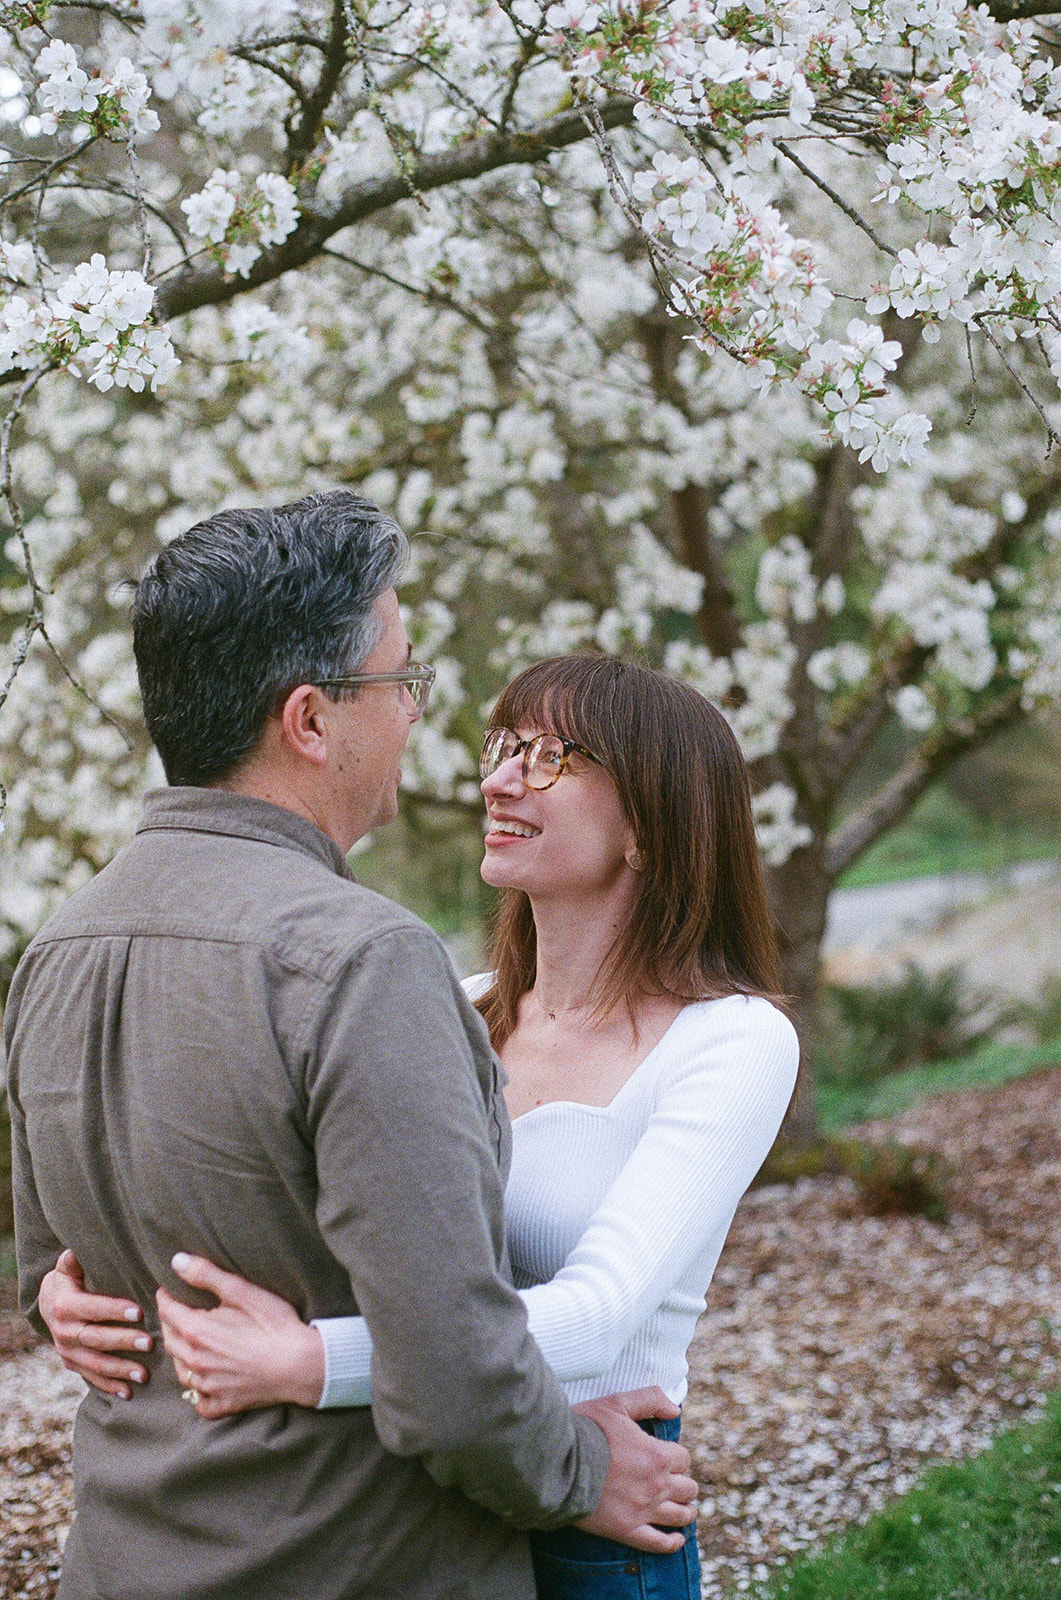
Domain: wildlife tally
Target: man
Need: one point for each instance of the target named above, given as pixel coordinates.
(225, 1045)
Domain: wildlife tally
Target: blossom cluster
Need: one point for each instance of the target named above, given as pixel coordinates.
(98, 321)
(945, 612)
(777, 828)
(759, 293)
(975, 137)
(111, 102)
(237, 225)
(190, 45)
(493, 363)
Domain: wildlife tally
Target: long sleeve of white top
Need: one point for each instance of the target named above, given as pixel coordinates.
(720, 1093)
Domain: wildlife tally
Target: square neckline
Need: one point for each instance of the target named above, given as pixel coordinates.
(588, 1105)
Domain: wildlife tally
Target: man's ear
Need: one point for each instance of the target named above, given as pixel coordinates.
(304, 724)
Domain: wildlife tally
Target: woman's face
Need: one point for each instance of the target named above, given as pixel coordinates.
(569, 840)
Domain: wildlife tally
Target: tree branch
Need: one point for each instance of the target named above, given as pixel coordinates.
(126, 14)
(528, 41)
(849, 740)
(1022, 10)
(1051, 432)
(189, 289)
(307, 131)
(717, 617)
(286, 76)
(922, 767)
(113, 187)
(827, 189)
(429, 293)
(49, 168)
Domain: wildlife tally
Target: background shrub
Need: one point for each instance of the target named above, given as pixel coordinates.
(867, 1031)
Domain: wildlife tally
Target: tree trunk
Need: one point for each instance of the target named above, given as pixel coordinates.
(799, 896)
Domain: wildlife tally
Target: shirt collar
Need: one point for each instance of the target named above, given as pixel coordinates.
(239, 816)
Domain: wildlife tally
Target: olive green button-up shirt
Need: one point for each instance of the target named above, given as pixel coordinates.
(224, 1044)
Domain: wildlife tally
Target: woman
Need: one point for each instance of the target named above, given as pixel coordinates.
(648, 1072)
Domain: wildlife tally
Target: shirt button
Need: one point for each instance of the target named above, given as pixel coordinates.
(632, 1568)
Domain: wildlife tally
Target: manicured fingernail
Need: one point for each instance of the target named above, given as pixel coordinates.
(181, 1261)
(143, 1343)
(139, 1376)
(125, 1394)
(132, 1313)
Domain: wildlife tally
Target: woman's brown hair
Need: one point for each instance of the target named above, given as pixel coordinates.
(700, 927)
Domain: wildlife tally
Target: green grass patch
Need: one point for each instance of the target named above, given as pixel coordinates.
(984, 1529)
(987, 1067)
(911, 855)
(941, 835)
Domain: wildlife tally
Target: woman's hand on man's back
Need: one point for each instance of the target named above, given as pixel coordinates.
(92, 1331)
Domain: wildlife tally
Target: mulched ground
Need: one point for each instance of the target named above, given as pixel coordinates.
(839, 1354)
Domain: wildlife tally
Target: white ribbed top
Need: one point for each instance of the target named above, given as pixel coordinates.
(616, 1215)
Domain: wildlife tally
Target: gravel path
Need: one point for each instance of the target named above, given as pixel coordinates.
(839, 1353)
(1003, 929)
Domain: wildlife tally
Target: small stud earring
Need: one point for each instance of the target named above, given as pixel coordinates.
(636, 861)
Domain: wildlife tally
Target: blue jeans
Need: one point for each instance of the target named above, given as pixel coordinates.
(572, 1565)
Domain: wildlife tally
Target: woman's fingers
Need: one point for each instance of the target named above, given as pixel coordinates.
(64, 1300)
(189, 1344)
(121, 1391)
(71, 1267)
(178, 1348)
(189, 1335)
(94, 1367)
(112, 1374)
(109, 1336)
(91, 1330)
(212, 1408)
(229, 1287)
(171, 1311)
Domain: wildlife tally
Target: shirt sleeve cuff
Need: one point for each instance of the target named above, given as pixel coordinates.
(347, 1355)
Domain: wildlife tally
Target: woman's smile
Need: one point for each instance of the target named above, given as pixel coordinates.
(500, 830)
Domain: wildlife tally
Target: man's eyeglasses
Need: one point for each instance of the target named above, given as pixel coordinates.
(544, 756)
(416, 678)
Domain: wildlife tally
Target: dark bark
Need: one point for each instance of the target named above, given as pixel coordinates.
(799, 896)
(897, 797)
(691, 538)
(717, 617)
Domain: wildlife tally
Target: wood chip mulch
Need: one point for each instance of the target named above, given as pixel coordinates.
(839, 1355)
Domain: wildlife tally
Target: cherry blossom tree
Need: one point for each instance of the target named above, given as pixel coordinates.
(724, 333)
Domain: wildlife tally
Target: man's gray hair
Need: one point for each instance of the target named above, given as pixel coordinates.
(242, 608)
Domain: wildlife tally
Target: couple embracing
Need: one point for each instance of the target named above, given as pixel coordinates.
(262, 1135)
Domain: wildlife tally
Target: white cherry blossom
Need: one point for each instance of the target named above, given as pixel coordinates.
(678, 386)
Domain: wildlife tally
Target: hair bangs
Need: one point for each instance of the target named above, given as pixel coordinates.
(573, 696)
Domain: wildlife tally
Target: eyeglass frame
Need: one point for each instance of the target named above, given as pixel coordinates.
(523, 746)
(417, 677)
